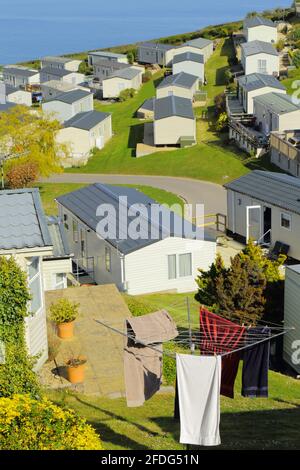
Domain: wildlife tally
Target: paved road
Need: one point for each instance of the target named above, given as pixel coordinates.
(213, 196)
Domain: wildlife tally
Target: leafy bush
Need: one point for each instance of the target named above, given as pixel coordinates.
(85, 68)
(137, 307)
(130, 57)
(222, 122)
(280, 45)
(127, 94)
(22, 175)
(220, 104)
(63, 311)
(296, 59)
(28, 424)
(16, 374)
(147, 76)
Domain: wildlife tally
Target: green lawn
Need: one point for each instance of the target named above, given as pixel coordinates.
(50, 191)
(211, 159)
(294, 76)
(246, 424)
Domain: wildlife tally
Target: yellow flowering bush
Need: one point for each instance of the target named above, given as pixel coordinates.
(29, 424)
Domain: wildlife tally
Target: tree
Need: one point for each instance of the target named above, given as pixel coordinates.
(251, 288)
(127, 94)
(85, 68)
(222, 122)
(21, 175)
(32, 134)
(130, 57)
(206, 281)
(240, 292)
(220, 104)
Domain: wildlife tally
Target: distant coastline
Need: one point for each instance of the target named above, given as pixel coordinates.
(39, 30)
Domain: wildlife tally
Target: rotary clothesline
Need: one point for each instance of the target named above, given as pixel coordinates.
(244, 346)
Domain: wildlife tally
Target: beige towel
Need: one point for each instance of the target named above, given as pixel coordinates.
(143, 365)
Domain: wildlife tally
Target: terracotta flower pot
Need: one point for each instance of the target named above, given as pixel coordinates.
(76, 370)
(65, 330)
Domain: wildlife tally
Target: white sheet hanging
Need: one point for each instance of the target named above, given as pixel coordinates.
(199, 381)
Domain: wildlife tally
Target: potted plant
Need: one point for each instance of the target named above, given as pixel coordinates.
(64, 313)
(75, 369)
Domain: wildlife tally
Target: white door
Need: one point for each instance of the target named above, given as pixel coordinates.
(253, 221)
(100, 142)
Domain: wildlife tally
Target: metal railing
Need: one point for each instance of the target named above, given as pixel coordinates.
(261, 240)
(84, 266)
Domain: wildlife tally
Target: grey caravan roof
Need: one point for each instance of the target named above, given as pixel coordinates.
(188, 56)
(148, 104)
(84, 202)
(58, 237)
(158, 46)
(86, 121)
(255, 81)
(278, 189)
(58, 59)
(22, 72)
(70, 97)
(199, 43)
(22, 220)
(173, 106)
(108, 54)
(258, 47)
(55, 71)
(182, 79)
(254, 21)
(278, 103)
(127, 73)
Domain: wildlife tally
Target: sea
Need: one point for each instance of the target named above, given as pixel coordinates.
(30, 29)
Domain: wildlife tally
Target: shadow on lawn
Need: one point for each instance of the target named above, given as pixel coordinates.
(250, 430)
(136, 135)
(109, 435)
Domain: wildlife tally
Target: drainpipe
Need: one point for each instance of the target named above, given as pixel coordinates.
(123, 272)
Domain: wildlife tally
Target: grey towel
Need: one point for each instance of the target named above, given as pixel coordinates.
(143, 365)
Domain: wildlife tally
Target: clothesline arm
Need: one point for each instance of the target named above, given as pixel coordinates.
(136, 340)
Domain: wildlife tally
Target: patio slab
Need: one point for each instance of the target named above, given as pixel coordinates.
(102, 347)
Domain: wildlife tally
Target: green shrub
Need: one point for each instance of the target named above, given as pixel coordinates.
(296, 59)
(16, 373)
(127, 94)
(28, 424)
(85, 68)
(169, 364)
(63, 311)
(137, 307)
(147, 76)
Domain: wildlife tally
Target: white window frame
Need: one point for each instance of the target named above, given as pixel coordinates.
(191, 258)
(176, 271)
(288, 217)
(107, 258)
(75, 232)
(62, 284)
(177, 265)
(38, 276)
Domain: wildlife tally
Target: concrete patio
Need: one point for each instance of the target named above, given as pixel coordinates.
(102, 348)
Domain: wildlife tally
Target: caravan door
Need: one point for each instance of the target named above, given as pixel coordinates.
(253, 222)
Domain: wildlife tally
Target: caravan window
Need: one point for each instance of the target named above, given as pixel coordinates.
(286, 221)
(34, 282)
(108, 258)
